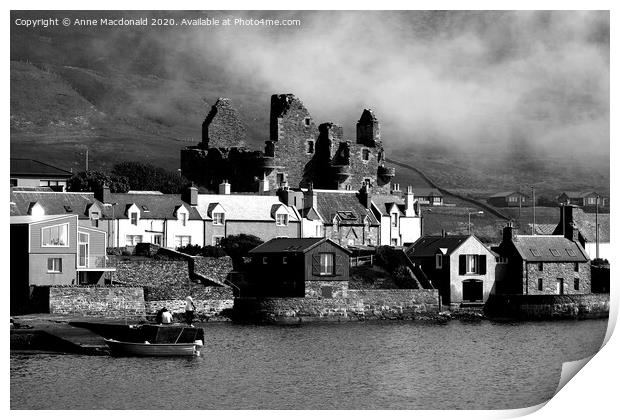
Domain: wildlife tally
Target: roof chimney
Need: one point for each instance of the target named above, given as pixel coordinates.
(364, 196)
(103, 194)
(409, 203)
(569, 228)
(224, 188)
(263, 186)
(508, 233)
(310, 198)
(190, 195)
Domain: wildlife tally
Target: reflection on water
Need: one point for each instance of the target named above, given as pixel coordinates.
(390, 365)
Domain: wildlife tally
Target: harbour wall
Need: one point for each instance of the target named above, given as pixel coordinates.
(107, 302)
(548, 307)
(359, 305)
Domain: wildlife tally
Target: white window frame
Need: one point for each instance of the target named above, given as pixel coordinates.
(278, 222)
(66, 245)
(394, 220)
(183, 219)
(54, 268)
(130, 239)
(325, 268)
(218, 218)
(131, 218)
(472, 264)
(180, 238)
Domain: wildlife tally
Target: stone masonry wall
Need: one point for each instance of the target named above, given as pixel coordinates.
(204, 307)
(553, 271)
(535, 307)
(107, 302)
(222, 126)
(213, 268)
(315, 289)
(360, 305)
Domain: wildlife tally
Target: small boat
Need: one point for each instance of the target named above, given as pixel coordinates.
(124, 348)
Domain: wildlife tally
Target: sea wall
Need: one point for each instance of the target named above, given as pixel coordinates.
(539, 307)
(359, 305)
(205, 308)
(107, 302)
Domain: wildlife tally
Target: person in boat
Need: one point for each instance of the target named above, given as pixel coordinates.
(189, 310)
(166, 317)
(158, 317)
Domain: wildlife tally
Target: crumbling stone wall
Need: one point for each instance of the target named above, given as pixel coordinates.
(107, 302)
(223, 127)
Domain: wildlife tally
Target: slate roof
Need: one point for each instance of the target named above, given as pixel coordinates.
(586, 223)
(152, 205)
(243, 206)
(426, 192)
(291, 245)
(54, 203)
(331, 203)
(548, 248)
(428, 246)
(506, 194)
(31, 167)
(383, 203)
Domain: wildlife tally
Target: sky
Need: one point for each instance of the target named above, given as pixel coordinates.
(524, 79)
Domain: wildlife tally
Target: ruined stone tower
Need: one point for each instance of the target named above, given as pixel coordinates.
(223, 127)
(368, 129)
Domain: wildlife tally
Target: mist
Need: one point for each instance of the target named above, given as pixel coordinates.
(458, 79)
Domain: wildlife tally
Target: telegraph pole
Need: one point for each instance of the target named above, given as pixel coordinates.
(86, 160)
(533, 212)
(596, 220)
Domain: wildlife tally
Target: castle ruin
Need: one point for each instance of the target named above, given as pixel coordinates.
(298, 153)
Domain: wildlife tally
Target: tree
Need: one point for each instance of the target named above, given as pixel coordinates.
(144, 176)
(238, 246)
(95, 180)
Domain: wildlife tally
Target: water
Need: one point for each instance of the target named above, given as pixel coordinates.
(389, 365)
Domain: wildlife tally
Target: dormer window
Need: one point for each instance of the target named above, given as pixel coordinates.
(184, 219)
(394, 218)
(95, 215)
(134, 218)
(281, 219)
(218, 218)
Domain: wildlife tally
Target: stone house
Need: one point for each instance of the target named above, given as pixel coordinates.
(264, 216)
(543, 264)
(52, 250)
(591, 228)
(461, 267)
(509, 199)
(299, 152)
(300, 267)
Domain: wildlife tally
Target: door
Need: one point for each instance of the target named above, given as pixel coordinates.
(560, 287)
(82, 250)
(472, 290)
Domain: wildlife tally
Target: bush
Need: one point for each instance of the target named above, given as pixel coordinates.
(238, 246)
(203, 251)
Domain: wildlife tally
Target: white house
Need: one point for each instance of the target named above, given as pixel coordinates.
(401, 219)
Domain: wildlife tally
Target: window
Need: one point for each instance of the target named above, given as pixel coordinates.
(571, 252)
(576, 285)
(157, 239)
(394, 218)
(540, 284)
(133, 239)
(394, 242)
(218, 218)
(310, 147)
(540, 267)
(281, 219)
(501, 260)
(307, 122)
(576, 268)
(280, 179)
(184, 219)
(326, 264)
(284, 260)
(438, 261)
(54, 265)
(472, 264)
(182, 240)
(554, 252)
(265, 260)
(216, 240)
(365, 154)
(535, 252)
(367, 181)
(55, 235)
(512, 198)
(134, 218)
(95, 215)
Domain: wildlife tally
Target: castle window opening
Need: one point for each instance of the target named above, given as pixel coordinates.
(365, 154)
(310, 146)
(307, 122)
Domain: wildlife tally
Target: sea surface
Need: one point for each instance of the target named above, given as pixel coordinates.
(356, 365)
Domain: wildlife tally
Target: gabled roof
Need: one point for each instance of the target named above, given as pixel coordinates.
(31, 167)
(506, 194)
(586, 223)
(242, 206)
(329, 204)
(548, 248)
(384, 203)
(151, 206)
(426, 192)
(292, 245)
(579, 194)
(54, 203)
(429, 246)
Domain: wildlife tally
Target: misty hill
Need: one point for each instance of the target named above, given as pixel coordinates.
(128, 96)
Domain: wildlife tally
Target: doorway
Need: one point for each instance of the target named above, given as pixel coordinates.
(560, 287)
(472, 290)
